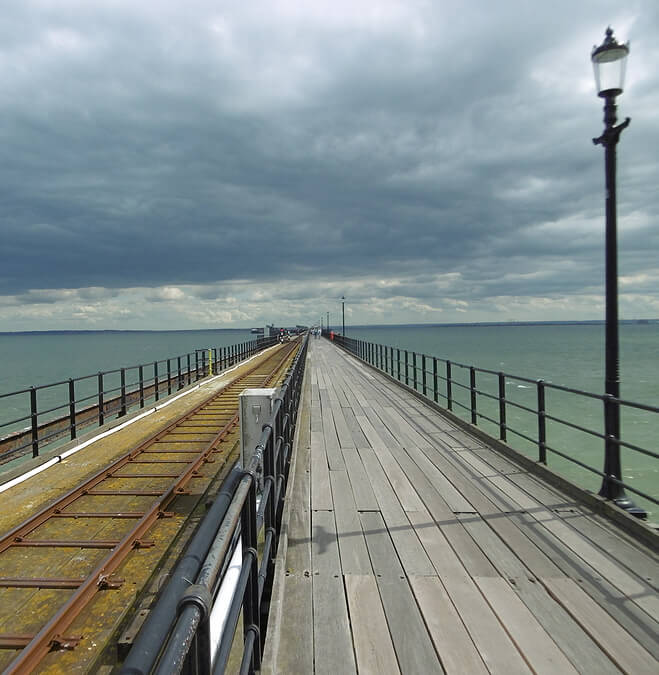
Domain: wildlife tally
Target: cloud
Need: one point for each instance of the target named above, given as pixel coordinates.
(252, 159)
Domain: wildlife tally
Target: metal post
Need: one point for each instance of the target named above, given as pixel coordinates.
(72, 409)
(449, 388)
(423, 375)
(343, 313)
(122, 411)
(101, 404)
(414, 370)
(34, 422)
(542, 430)
(141, 376)
(435, 395)
(407, 374)
(169, 376)
(502, 406)
(472, 391)
(180, 380)
(610, 488)
(156, 384)
(189, 365)
(398, 363)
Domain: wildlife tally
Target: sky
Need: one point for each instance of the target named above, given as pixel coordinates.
(211, 164)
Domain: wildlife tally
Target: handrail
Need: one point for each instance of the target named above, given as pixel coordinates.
(176, 636)
(56, 411)
(424, 379)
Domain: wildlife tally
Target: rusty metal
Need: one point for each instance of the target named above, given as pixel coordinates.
(24, 535)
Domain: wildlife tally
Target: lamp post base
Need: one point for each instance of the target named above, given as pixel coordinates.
(628, 505)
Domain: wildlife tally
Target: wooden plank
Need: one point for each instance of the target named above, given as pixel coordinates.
(361, 487)
(408, 546)
(539, 650)
(357, 434)
(324, 544)
(380, 547)
(574, 642)
(450, 492)
(295, 654)
(455, 647)
(492, 642)
(414, 648)
(333, 652)
(407, 495)
(342, 430)
(619, 645)
(334, 456)
(321, 495)
(352, 547)
(298, 555)
(374, 649)
(631, 585)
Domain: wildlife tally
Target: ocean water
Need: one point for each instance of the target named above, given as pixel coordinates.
(569, 355)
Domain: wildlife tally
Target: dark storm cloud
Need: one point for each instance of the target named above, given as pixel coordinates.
(164, 144)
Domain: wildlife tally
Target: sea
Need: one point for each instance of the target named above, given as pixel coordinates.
(571, 355)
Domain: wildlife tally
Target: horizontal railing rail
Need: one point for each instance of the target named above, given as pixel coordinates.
(439, 380)
(242, 528)
(40, 416)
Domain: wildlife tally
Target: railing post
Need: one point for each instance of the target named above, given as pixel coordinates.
(502, 406)
(34, 422)
(407, 372)
(217, 370)
(122, 411)
(180, 379)
(424, 387)
(189, 368)
(449, 387)
(382, 363)
(169, 377)
(542, 431)
(196, 364)
(414, 370)
(435, 392)
(156, 384)
(398, 363)
(101, 403)
(141, 376)
(472, 391)
(72, 409)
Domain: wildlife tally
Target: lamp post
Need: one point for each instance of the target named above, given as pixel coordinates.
(609, 61)
(343, 313)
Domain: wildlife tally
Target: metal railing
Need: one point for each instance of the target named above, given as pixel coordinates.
(54, 413)
(176, 637)
(439, 381)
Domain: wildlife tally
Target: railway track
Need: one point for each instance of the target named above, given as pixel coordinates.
(63, 561)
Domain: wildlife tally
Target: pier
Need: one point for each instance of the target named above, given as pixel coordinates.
(389, 537)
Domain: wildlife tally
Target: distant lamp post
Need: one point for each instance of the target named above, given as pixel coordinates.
(609, 62)
(343, 313)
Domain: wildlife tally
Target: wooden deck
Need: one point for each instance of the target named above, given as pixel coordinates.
(410, 547)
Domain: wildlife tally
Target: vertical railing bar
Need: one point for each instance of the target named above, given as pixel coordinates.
(435, 380)
(449, 387)
(502, 406)
(101, 403)
(34, 422)
(123, 393)
(141, 377)
(72, 409)
(472, 391)
(542, 429)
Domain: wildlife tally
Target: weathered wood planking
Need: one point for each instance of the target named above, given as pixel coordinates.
(352, 547)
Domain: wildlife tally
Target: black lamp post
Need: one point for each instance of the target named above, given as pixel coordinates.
(343, 313)
(609, 61)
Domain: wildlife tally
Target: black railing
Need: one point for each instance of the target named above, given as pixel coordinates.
(176, 637)
(469, 397)
(54, 413)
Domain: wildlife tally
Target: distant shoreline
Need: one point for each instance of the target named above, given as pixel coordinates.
(595, 322)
